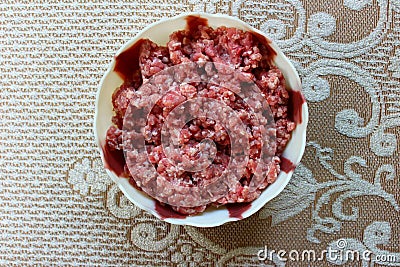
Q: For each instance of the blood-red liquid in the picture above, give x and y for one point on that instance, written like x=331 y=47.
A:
x=114 y=160
x=287 y=165
x=166 y=212
x=296 y=101
x=127 y=63
x=236 y=210
x=193 y=22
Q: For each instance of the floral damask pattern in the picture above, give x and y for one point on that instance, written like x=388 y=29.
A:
x=60 y=207
x=301 y=193
x=88 y=177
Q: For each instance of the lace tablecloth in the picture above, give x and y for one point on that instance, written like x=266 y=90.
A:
x=59 y=208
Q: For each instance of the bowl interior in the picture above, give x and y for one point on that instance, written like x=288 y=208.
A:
x=159 y=32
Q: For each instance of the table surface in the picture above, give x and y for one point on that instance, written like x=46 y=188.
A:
x=59 y=208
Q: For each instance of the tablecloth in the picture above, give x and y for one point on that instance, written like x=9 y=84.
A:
x=58 y=207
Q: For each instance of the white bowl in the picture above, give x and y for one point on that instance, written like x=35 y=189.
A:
x=159 y=32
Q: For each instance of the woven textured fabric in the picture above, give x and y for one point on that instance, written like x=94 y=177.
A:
x=58 y=207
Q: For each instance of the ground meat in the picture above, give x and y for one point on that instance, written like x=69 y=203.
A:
x=152 y=59
x=114 y=138
x=122 y=97
x=237 y=49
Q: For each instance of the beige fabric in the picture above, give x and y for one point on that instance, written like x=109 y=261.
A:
x=59 y=208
